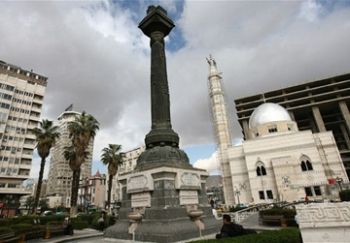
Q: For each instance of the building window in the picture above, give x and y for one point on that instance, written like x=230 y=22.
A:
x=309 y=165
x=308 y=191
x=305 y=164
x=272 y=129
x=317 y=190
x=260 y=170
x=269 y=194
x=261 y=195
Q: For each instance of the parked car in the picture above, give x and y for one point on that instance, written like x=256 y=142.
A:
x=47 y=213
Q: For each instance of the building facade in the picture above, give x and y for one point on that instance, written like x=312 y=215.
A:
x=277 y=161
x=319 y=106
x=21 y=99
x=281 y=163
x=60 y=174
x=221 y=126
x=92 y=191
x=128 y=164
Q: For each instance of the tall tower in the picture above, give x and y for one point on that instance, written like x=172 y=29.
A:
x=221 y=127
x=21 y=99
x=60 y=174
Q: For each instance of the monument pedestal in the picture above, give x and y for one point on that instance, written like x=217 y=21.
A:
x=164 y=204
x=164 y=199
x=324 y=222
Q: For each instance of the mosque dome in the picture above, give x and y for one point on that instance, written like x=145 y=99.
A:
x=266 y=113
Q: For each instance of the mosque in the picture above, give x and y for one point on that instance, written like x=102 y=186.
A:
x=278 y=162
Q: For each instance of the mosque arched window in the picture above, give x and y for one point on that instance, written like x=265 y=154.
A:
x=260 y=169
x=309 y=165
x=305 y=164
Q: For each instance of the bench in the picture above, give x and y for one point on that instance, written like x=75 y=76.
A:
x=9 y=238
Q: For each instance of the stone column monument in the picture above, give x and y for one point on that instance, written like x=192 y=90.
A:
x=164 y=199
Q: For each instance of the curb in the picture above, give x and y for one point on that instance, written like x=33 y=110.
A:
x=76 y=237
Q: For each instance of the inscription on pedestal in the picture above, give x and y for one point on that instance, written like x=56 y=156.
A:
x=188 y=197
x=139 y=183
x=189 y=180
x=142 y=199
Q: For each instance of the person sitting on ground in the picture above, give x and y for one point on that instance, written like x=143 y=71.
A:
x=230 y=229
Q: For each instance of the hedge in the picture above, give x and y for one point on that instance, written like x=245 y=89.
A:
x=235 y=209
x=79 y=224
x=286 y=212
x=21 y=228
x=345 y=195
x=5 y=230
x=30 y=220
x=275 y=236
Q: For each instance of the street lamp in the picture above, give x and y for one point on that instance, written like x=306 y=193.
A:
x=237 y=192
x=339 y=180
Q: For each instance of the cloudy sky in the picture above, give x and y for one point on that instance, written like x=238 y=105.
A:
x=96 y=58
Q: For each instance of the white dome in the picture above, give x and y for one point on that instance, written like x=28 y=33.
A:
x=268 y=112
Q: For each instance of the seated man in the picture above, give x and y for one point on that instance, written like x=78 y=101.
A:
x=230 y=229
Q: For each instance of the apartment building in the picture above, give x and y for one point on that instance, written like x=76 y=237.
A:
x=128 y=164
x=92 y=191
x=319 y=106
x=21 y=99
x=60 y=174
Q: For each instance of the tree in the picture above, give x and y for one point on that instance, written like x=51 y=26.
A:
x=81 y=132
x=111 y=157
x=29 y=202
x=43 y=205
x=46 y=136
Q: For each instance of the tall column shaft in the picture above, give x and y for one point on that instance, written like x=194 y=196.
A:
x=159 y=83
x=157 y=25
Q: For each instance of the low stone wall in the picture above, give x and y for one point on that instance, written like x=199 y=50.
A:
x=324 y=222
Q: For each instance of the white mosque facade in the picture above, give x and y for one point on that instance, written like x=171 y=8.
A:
x=278 y=162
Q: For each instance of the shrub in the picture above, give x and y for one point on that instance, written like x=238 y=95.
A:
x=286 y=212
x=345 y=195
x=109 y=220
x=78 y=224
x=5 y=230
x=51 y=218
x=273 y=236
x=21 y=228
x=86 y=217
x=237 y=208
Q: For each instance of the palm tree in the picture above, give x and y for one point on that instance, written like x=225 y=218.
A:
x=81 y=132
x=112 y=157
x=46 y=136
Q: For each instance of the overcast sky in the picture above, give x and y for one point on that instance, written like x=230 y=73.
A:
x=96 y=58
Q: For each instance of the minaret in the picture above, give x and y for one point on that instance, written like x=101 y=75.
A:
x=221 y=126
x=218 y=105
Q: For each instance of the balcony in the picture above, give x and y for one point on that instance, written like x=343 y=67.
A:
x=15 y=190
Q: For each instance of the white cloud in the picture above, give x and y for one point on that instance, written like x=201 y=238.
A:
x=210 y=164
x=97 y=58
x=310 y=10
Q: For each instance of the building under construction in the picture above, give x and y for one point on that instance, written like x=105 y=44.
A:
x=321 y=105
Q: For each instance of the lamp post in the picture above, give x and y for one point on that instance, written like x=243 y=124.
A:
x=237 y=192
x=339 y=180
